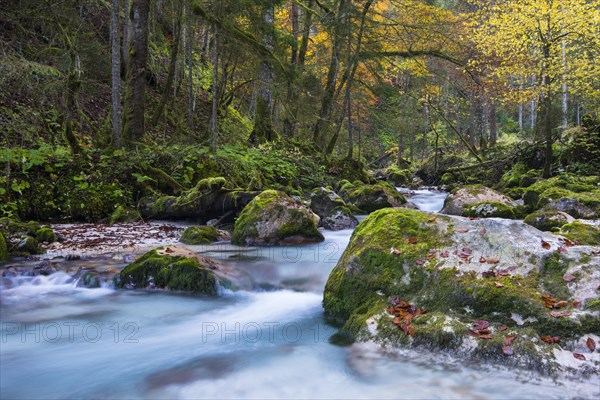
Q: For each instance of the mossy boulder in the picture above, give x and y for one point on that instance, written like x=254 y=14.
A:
x=490 y=209
x=45 y=234
x=332 y=209
x=273 y=217
x=582 y=233
x=548 y=220
x=578 y=196
x=458 y=202
x=195 y=235
x=460 y=271
x=371 y=197
x=170 y=268
x=397 y=176
x=3 y=249
x=29 y=245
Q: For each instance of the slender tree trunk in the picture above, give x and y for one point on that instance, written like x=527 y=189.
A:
x=190 y=64
x=493 y=125
x=290 y=116
x=472 y=125
x=214 y=132
x=116 y=72
x=332 y=72
x=263 y=122
x=172 y=66
x=565 y=89
x=135 y=102
x=520 y=110
x=547 y=117
x=126 y=36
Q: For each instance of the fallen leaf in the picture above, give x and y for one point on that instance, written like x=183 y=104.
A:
x=487 y=337
x=550 y=339
x=472 y=218
x=488 y=274
x=549 y=301
x=507 y=350
x=467 y=250
x=591 y=344
x=579 y=356
x=462 y=230
x=546 y=245
x=412 y=240
x=499 y=284
x=576 y=304
x=568 y=278
x=482 y=232
x=567 y=242
x=502 y=328
x=482 y=259
x=445 y=254
x=560 y=304
x=432 y=219
x=420 y=262
x=559 y=314
x=394 y=251
x=493 y=260
x=480 y=325
x=562 y=250
x=509 y=339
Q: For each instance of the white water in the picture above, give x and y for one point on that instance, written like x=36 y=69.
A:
x=425 y=200
x=245 y=344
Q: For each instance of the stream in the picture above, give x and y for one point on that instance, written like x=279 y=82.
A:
x=63 y=341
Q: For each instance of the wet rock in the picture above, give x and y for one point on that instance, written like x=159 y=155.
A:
x=473 y=195
x=572 y=207
x=275 y=218
x=46 y=268
x=503 y=272
x=332 y=209
x=28 y=245
x=371 y=197
x=340 y=218
x=196 y=235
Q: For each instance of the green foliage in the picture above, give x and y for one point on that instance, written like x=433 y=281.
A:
x=3 y=249
x=45 y=234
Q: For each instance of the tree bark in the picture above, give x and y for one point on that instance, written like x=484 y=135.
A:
x=135 y=104
x=116 y=72
x=493 y=124
x=213 y=128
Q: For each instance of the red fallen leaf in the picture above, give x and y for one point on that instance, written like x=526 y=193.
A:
x=481 y=325
x=482 y=232
x=502 y=327
x=432 y=219
x=462 y=230
x=591 y=344
x=579 y=356
x=467 y=251
x=482 y=259
x=559 y=314
x=499 y=284
x=508 y=340
x=395 y=251
x=560 y=304
x=472 y=218
x=487 y=337
x=397 y=321
x=546 y=245
x=445 y=254
x=420 y=262
x=562 y=250
x=493 y=260
x=576 y=304
x=550 y=339
x=549 y=301
x=169 y=250
x=567 y=242
x=488 y=274
x=568 y=278
x=412 y=240
x=507 y=350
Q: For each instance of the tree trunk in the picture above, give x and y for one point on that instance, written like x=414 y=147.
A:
x=126 y=37
x=213 y=128
x=172 y=67
x=134 y=109
x=330 y=85
x=493 y=125
x=472 y=125
x=263 y=123
x=289 y=121
x=116 y=73
x=190 y=63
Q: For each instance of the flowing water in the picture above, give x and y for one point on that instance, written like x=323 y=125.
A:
x=270 y=341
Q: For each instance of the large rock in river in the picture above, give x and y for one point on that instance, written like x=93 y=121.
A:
x=332 y=209
x=478 y=201
x=369 y=198
x=468 y=287
x=273 y=217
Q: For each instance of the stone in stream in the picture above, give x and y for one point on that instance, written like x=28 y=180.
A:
x=500 y=271
x=371 y=197
x=479 y=201
x=332 y=209
x=547 y=220
x=273 y=218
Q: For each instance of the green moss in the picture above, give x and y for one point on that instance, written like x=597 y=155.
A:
x=45 y=234
x=581 y=233
x=592 y=305
x=211 y=184
x=28 y=245
x=3 y=250
x=160 y=205
x=122 y=214
x=545 y=220
x=369 y=198
x=436 y=330
x=581 y=188
x=195 y=235
x=489 y=209
x=168 y=272
x=397 y=176
x=552 y=274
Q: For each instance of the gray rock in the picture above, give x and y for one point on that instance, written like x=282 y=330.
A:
x=572 y=207
x=339 y=219
x=466 y=196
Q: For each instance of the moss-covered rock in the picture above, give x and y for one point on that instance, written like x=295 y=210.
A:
x=397 y=176
x=458 y=202
x=581 y=233
x=332 y=209
x=578 y=196
x=339 y=218
x=167 y=268
x=195 y=235
x=273 y=217
x=548 y=220
x=123 y=214
x=45 y=234
x=369 y=198
x=29 y=245
x=490 y=209
x=460 y=271
x=3 y=249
